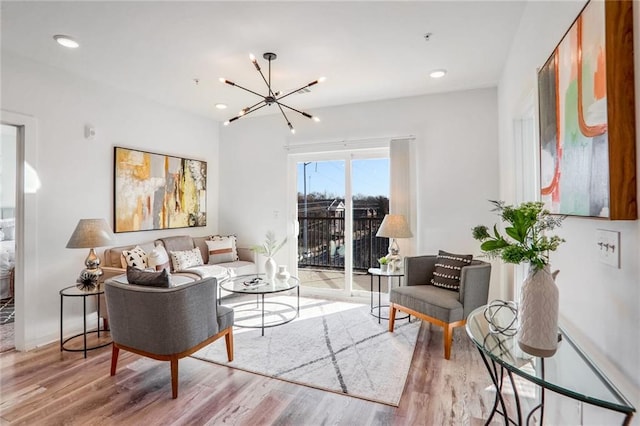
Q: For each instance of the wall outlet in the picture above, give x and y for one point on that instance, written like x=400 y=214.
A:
x=608 y=247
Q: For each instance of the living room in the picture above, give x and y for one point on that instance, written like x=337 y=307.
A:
x=464 y=155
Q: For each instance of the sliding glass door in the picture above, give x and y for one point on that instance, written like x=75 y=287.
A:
x=341 y=200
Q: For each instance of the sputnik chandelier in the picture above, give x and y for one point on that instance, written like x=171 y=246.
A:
x=271 y=97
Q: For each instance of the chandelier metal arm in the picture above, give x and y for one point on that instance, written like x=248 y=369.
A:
x=231 y=83
x=285 y=115
x=249 y=111
x=296 y=110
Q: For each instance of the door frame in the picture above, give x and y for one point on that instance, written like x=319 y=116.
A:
x=26 y=265
x=346 y=155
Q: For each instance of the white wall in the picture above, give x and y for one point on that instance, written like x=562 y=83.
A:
x=77 y=174
x=600 y=303
x=456 y=158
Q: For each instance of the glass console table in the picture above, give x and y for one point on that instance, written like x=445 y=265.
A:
x=568 y=372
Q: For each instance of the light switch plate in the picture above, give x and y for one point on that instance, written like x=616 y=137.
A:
x=608 y=247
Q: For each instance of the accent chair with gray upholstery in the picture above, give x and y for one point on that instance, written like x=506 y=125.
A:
x=166 y=323
x=440 y=306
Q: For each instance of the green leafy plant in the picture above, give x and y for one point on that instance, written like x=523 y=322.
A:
x=525 y=239
x=383 y=260
x=270 y=246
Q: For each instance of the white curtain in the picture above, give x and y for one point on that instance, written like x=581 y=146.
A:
x=403 y=189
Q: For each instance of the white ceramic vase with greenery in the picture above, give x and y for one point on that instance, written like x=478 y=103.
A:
x=526 y=242
x=269 y=248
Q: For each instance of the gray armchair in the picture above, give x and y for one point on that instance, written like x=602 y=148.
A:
x=166 y=323
x=439 y=306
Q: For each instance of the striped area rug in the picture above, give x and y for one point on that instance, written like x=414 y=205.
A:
x=7 y=311
x=333 y=345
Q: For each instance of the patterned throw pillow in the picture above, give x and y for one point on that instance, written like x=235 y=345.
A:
x=135 y=257
x=152 y=279
x=185 y=259
x=220 y=250
x=158 y=259
x=448 y=269
x=226 y=240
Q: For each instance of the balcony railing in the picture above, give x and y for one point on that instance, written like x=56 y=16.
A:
x=321 y=242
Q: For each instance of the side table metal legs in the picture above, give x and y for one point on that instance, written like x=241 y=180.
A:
x=499 y=406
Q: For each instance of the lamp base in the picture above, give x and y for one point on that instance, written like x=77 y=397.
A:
x=89 y=279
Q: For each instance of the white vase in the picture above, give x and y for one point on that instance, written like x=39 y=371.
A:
x=282 y=273
x=270 y=268
x=538 y=333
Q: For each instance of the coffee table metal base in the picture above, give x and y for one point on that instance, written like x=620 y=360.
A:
x=259 y=306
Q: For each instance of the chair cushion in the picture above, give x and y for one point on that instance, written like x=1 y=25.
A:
x=448 y=269
x=430 y=300
x=153 y=279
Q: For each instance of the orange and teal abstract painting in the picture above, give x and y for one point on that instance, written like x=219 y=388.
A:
x=574 y=150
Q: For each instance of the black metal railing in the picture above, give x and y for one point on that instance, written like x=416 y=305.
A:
x=321 y=242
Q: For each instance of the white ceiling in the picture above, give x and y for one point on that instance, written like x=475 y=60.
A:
x=367 y=50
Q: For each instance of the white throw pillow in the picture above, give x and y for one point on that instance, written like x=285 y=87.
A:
x=229 y=240
x=136 y=257
x=220 y=250
x=185 y=259
x=159 y=259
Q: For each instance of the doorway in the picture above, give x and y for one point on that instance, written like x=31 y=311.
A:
x=8 y=163
x=341 y=201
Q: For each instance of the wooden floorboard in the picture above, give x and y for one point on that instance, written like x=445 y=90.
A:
x=47 y=387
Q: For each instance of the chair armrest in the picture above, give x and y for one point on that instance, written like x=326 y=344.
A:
x=418 y=270
x=474 y=286
x=246 y=254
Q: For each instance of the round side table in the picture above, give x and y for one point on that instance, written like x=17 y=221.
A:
x=75 y=292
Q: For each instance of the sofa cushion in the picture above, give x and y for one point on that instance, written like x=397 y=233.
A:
x=185 y=259
x=221 y=250
x=159 y=258
x=153 y=279
x=448 y=269
x=240 y=267
x=135 y=257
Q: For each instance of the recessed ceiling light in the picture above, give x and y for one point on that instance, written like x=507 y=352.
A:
x=221 y=106
x=437 y=73
x=66 y=41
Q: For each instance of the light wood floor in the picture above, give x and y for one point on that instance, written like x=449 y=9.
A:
x=47 y=387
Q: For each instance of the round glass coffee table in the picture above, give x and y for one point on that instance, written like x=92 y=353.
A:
x=246 y=313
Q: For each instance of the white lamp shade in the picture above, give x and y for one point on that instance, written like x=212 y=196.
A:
x=394 y=226
x=91 y=233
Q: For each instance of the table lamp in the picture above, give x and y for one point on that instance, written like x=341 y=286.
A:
x=394 y=226
x=91 y=233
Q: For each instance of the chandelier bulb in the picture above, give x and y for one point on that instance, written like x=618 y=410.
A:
x=252 y=57
x=316 y=119
x=222 y=80
x=322 y=79
x=226 y=123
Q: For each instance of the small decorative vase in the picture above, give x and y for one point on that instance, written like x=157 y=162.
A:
x=538 y=334
x=270 y=267
x=384 y=268
x=282 y=273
